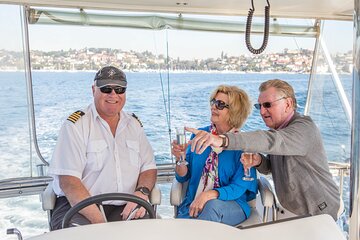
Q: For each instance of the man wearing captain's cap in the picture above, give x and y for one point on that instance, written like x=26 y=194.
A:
x=100 y=150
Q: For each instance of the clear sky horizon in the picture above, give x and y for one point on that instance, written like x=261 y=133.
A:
x=181 y=43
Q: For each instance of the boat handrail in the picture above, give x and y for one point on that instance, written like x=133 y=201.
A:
x=34 y=185
x=165 y=172
x=339 y=166
x=38 y=15
x=340 y=169
x=21 y=186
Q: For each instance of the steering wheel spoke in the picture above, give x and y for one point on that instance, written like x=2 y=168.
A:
x=101 y=207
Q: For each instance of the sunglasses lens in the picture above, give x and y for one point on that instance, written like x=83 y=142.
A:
x=266 y=105
x=119 y=90
x=220 y=105
x=106 y=89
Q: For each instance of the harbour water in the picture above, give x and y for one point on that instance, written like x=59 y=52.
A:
x=58 y=94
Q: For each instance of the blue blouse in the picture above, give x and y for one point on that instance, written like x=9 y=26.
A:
x=231 y=171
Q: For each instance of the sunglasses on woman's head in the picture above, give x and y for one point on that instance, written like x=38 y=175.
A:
x=266 y=104
x=220 y=105
x=108 y=89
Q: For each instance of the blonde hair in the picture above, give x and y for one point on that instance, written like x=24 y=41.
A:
x=239 y=104
x=282 y=87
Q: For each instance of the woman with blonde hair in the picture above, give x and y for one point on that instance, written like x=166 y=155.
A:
x=216 y=189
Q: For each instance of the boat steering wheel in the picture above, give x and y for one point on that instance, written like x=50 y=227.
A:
x=98 y=199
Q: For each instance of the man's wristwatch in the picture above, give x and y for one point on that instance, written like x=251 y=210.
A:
x=225 y=142
x=143 y=190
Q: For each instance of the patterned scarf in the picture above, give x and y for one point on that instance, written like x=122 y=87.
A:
x=210 y=176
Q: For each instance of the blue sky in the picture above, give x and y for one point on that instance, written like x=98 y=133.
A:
x=183 y=44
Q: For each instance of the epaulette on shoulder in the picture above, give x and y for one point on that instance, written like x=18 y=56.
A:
x=75 y=116
x=136 y=117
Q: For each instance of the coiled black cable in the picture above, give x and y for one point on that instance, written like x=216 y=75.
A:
x=266 y=29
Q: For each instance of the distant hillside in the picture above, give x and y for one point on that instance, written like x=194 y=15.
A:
x=298 y=61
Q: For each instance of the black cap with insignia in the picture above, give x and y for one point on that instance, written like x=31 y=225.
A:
x=110 y=75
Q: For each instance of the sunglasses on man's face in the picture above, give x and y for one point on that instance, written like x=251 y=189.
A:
x=266 y=104
x=220 y=105
x=108 y=89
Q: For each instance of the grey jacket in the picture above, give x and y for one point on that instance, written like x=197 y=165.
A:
x=297 y=160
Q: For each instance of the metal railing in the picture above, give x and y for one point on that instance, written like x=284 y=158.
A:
x=340 y=170
x=166 y=173
x=14 y=187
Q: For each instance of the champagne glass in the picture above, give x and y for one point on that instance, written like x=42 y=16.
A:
x=181 y=140
x=247 y=159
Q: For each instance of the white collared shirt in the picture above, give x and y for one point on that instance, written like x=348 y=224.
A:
x=87 y=150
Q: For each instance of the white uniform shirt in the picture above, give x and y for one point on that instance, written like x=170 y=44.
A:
x=87 y=150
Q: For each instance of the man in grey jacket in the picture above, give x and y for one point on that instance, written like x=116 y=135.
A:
x=295 y=152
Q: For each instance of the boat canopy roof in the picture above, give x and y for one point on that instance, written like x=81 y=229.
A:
x=319 y=9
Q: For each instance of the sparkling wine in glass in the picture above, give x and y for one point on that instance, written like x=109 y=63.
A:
x=181 y=140
x=247 y=162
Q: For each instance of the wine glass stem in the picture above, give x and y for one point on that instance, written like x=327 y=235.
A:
x=182 y=157
x=247 y=172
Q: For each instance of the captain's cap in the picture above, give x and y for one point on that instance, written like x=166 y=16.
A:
x=110 y=75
